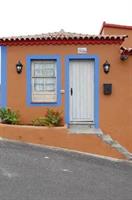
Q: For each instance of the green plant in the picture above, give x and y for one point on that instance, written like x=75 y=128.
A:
x=52 y=118
x=39 y=121
x=9 y=117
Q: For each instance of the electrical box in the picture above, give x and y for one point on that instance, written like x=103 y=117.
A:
x=107 y=88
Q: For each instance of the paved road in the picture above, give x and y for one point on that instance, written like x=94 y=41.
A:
x=34 y=173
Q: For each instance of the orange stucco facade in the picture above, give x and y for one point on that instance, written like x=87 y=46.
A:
x=59 y=137
x=115 y=110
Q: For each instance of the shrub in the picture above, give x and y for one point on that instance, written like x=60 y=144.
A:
x=39 y=121
x=52 y=118
x=9 y=117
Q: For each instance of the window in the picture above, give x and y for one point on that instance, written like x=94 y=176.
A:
x=43 y=85
x=44 y=81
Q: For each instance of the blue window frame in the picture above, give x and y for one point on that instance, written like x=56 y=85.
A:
x=29 y=61
x=68 y=58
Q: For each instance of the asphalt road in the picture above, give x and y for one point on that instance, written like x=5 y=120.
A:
x=34 y=173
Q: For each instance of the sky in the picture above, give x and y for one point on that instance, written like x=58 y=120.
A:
x=23 y=17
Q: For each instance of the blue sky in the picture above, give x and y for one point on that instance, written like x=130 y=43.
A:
x=22 y=17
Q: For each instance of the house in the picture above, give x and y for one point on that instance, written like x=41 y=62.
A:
x=79 y=74
x=117 y=29
x=126 y=47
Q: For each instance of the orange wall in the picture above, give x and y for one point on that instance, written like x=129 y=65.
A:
x=115 y=111
x=59 y=137
x=125 y=135
x=119 y=31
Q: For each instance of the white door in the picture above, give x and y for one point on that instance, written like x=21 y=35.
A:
x=81 y=91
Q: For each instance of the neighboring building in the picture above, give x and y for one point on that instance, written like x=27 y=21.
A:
x=112 y=29
x=115 y=29
x=65 y=71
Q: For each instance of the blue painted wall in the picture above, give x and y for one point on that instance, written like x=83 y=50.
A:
x=3 y=89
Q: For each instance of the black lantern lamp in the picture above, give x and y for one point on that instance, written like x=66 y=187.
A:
x=106 y=67
x=123 y=57
x=19 y=67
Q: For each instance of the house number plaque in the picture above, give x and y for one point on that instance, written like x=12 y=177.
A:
x=82 y=50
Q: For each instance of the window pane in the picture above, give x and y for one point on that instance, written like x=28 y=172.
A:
x=44 y=69
x=49 y=71
x=50 y=84
x=44 y=98
x=44 y=84
x=38 y=84
x=38 y=70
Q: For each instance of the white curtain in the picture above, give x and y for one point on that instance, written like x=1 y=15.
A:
x=44 y=81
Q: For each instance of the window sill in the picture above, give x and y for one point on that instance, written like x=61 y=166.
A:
x=44 y=104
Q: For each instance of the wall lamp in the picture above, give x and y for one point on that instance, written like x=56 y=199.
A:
x=123 y=57
x=19 y=67
x=106 y=67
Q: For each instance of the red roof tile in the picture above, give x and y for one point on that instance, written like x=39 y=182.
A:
x=126 y=51
x=60 y=36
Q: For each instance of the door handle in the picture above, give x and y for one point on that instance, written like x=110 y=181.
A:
x=71 y=91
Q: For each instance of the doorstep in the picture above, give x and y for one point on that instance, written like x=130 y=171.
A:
x=84 y=129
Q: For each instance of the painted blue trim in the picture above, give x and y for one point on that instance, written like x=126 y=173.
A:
x=67 y=106
x=3 y=100
x=96 y=92
x=96 y=85
x=28 y=79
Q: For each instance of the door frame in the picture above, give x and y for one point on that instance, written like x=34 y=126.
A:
x=68 y=58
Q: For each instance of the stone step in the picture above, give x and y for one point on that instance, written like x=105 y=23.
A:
x=115 y=144
x=119 y=147
x=122 y=149
x=108 y=139
x=84 y=129
x=80 y=126
x=87 y=129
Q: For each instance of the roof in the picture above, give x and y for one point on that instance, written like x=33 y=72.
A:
x=126 y=51
x=114 y=26
x=62 y=37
